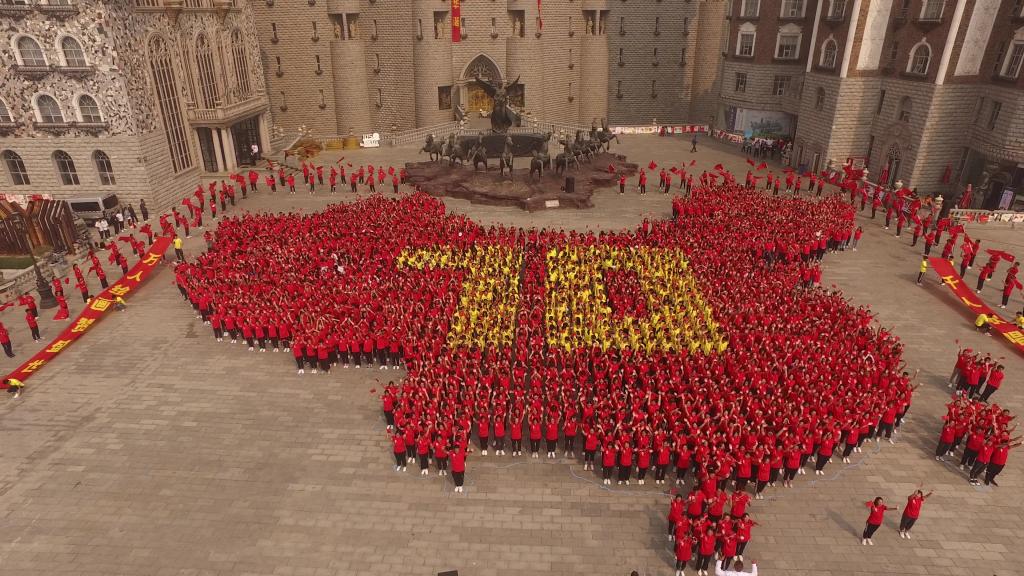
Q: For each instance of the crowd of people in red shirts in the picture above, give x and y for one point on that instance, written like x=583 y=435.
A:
x=760 y=376
x=985 y=432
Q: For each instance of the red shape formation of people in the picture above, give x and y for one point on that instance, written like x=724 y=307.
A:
x=503 y=335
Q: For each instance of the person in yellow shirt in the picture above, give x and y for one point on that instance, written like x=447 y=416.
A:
x=14 y=386
x=981 y=323
x=924 y=268
x=178 y=252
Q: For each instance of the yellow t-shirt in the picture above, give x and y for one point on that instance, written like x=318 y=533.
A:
x=924 y=265
x=980 y=320
x=177 y=243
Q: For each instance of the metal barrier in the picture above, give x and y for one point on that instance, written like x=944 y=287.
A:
x=987 y=216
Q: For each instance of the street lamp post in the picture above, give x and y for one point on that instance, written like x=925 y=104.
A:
x=46 y=299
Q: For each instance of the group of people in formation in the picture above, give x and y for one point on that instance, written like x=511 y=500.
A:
x=707 y=523
x=904 y=209
x=642 y=353
x=876 y=514
x=984 y=431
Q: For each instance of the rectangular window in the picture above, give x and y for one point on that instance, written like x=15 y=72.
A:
x=997 y=65
x=1013 y=63
x=780 y=85
x=746 y=44
x=602 y=23
x=517 y=19
x=789 y=45
x=741 y=82
x=352 y=26
x=750 y=8
x=837 y=9
x=978 y=107
x=881 y=102
x=792 y=8
x=993 y=116
x=440 y=24
x=444 y=97
x=932 y=10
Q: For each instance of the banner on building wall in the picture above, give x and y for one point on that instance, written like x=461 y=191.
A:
x=973 y=303
x=655 y=129
x=456 y=20
x=97 y=308
x=540 y=18
x=759 y=123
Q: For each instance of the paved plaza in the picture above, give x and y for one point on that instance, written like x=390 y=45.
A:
x=150 y=449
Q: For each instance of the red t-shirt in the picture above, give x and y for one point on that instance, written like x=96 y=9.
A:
x=877 y=512
x=913 y=509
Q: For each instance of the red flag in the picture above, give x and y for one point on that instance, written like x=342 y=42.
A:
x=456 y=21
x=692 y=162
x=719 y=167
x=762 y=165
x=749 y=161
x=947 y=174
x=652 y=165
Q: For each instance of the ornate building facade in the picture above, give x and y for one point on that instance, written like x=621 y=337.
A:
x=929 y=91
x=357 y=66
x=138 y=98
x=143 y=97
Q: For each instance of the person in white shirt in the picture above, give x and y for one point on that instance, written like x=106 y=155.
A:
x=737 y=569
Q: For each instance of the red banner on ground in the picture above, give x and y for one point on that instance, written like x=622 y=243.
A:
x=456 y=20
x=973 y=303
x=98 y=306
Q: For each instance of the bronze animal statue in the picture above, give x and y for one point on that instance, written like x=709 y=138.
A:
x=507 y=157
x=432 y=147
x=503 y=116
x=537 y=164
x=453 y=151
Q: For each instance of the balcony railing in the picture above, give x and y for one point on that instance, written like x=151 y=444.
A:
x=8 y=127
x=227 y=113
x=32 y=71
x=56 y=127
x=14 y=10
x=75 y=70
x=57 y=10
x=93 y=127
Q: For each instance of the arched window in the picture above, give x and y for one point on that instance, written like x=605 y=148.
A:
x=5 y=113
x=104 y=168
x=161 y=66
x=906 y=109
x=89 y=110
x=19 y=175
x=828 y=54
x=74 y=57
x=919 y=59
x=30 y=52
x=65 y=168
x=48 y=109
x=241 y=65
x=207 y=78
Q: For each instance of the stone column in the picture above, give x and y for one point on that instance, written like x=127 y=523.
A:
x=229 y=150
x=218 y=160
x=264 y=123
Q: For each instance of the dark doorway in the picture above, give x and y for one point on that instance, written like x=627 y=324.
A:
x=995 y=194
x=207 y=149
x=245 y=133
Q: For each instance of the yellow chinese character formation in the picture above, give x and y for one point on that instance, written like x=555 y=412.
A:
x=82 y=324
x=579 y=315
x=33 y=365
x=120 y=289
x=100 y=304
x=58 y=346
x=485 y=314
x=1015 y=336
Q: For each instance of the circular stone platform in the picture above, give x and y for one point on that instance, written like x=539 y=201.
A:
x=520 y=190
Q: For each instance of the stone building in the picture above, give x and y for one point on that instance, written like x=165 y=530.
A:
x=930 y=90
x=358 y=66
x=137 y=98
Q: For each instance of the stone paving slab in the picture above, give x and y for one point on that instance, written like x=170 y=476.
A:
x=151 y=449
